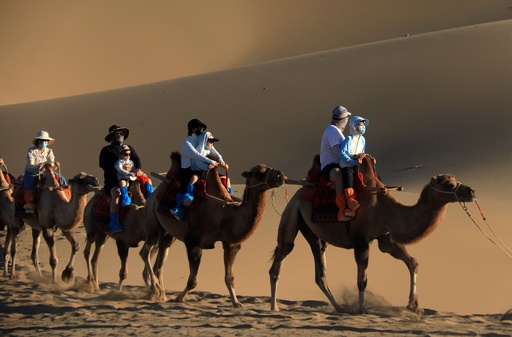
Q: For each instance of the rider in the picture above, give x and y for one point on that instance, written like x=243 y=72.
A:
x=188 y=154
x=352 y=154
x=108 y=158
x=125 y=173
x=330 y=153
x=37 y=156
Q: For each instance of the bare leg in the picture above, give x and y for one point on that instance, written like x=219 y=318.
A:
x=114 y=201
x=230 y=252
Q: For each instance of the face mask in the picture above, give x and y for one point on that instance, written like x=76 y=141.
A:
x=206 y=148
x=362 y=129
x=43 y=143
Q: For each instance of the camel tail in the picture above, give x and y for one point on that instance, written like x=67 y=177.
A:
x=273 y=255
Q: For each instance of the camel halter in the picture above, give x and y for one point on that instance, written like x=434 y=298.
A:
x=263 y=182
x=501 y=245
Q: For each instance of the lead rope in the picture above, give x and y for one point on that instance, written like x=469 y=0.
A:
x=504 y=248
x=273 y=194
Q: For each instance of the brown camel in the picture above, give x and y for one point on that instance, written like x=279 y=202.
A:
x=133 y=232
x=7 y=218
x=55 y=210
x=380 y=217
x=212 y=221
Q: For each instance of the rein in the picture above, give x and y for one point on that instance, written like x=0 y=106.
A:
x=501 y=245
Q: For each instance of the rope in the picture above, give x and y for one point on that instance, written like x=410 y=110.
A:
x=504 y=248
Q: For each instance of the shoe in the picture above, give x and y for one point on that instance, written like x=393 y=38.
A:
x=29 y=208
x=178 y=213
x=114 y=226
x=230 y=190
x=125 y=198
x=189 y=196
x=149 y=189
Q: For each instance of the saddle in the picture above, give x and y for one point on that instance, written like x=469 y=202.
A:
x=19 y=197
x=167 y=196
x=101 y=211
x=323 y=195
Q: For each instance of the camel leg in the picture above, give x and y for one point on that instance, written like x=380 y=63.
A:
x=48 y=235
x=67 y=274
x=164 y=243
x=230 y=252
x=361 y=254
x=99 y=238
x=288 y=229
x=318 y=248
x=36 y=239
x=7 y=251
x=398 y=251
x=122 y=251
x=194 y=254
x=15 y=232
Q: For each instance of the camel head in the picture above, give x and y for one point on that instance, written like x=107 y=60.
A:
x=262 y=177
x=85 y=183
x=448 y=189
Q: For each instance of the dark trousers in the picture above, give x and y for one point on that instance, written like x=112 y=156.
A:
x=347 y=174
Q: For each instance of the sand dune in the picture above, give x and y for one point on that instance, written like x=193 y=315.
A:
x=438 y=101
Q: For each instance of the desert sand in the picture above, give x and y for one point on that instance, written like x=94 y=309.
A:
x=438 y=97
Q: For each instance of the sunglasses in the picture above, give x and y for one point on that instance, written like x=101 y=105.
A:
x=126 y=153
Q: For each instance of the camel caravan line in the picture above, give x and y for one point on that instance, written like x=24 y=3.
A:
x=215 y=215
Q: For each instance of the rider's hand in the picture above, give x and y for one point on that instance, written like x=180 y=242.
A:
x=225 y=165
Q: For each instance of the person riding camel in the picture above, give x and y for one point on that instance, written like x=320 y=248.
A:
x=352 y=153
x=125 y=174
x=189 y=153
x=330 y=153
x=37 y=156
x=108 y=157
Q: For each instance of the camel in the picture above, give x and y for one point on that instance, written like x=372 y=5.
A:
x=56 y=211
x=133 y=233
x=214 y=220
x=6 y=215
x=379 y=217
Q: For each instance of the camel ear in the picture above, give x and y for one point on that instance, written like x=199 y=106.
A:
x=246 y=174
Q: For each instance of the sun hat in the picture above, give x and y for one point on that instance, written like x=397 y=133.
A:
x=196 y=123
x=113 y=129
x=340 y=112
x=124 y=148
x=212 y=139
x=43 y=135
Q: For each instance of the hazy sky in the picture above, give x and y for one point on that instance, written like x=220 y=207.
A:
x=56 y=48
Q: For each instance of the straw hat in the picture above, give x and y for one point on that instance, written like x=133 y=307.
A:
x=43 y=135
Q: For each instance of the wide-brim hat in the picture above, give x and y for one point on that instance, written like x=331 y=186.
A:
x=113 y=129
x=43 y=135
x=196 y=123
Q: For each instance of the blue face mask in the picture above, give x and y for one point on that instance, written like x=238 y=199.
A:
x=362 y=129
x=43 y=143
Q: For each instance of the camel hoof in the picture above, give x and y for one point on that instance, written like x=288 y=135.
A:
x=67 y=275
x=237 y=305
